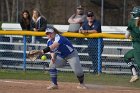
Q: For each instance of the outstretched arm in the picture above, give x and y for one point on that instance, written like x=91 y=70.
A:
x=35 y=53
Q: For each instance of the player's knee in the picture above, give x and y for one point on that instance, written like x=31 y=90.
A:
x=79 y=73
x=131 y=64
x=81 y=76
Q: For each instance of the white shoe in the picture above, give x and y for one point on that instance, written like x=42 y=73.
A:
x=52 y=86
x=134 y=78
x=81 y=86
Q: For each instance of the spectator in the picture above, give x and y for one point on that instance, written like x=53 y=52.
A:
x=91 y=25
x=76 y=20
x=25 y=22
x=38 y=23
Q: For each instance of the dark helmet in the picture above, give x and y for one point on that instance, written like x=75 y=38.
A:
x=136 y=11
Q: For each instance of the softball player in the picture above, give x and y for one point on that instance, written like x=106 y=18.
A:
x=62 y=51
x=133 y=30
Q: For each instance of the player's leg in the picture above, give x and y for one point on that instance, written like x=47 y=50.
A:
x=137 y=61
x=74 y=62
x=59 y=62
x=137 y=54
x=53 y=76
x=127 y=58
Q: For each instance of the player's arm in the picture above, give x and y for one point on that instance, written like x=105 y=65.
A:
x=45 y=50
x=51 y=47
x=128 y=30
x=127 y=34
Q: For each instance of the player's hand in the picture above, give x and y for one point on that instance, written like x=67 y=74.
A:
x=33 y=54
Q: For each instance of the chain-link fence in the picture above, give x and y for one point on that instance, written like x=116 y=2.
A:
x=12 y=54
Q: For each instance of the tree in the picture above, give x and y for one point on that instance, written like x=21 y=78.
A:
x=2 y=10
x=38 y=5
x=8 y=10
x=13 y=14
x=11 y=5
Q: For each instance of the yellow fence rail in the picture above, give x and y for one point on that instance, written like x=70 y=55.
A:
x=67 y=34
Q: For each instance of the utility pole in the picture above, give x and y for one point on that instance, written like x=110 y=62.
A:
x=124 y=12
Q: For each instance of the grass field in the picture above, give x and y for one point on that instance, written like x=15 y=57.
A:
x=103 y=79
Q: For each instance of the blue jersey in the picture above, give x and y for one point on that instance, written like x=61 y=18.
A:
x=65 y=48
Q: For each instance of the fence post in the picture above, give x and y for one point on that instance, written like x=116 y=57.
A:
x=99 y=56
x=24 y=53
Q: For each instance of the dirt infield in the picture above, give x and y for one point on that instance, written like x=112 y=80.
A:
x=36 y=86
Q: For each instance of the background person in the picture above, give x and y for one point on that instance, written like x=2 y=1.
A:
x=91 y=25
x=133 y=30
x=25 y=20
x=38 y=23
x=76 y=20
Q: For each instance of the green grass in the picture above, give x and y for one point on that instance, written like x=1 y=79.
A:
x=103 y=79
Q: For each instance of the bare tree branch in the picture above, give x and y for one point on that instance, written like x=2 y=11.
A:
x=38 y=5
x=2 y=10
x=7 y=9
x=13 y=11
